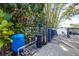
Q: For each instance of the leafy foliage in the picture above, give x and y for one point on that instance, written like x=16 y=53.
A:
x=56 y=12
x=5 y=31
x=1 y=44
x=74 y=25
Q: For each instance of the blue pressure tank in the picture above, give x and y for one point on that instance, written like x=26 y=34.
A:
x=50 y=34
x=53 y=33
x=18 y=41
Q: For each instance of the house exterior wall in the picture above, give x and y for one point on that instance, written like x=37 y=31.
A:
x=62 y=31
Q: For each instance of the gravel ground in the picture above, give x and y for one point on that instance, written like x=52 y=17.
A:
x=57 y=48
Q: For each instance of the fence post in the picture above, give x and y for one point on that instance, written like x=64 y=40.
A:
x=68 y=33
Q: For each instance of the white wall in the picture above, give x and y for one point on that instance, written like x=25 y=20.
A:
x=60 y=30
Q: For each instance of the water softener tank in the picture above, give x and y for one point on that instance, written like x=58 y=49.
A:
x=18 y=41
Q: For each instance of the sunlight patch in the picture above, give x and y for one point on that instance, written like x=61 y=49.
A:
x=63 y=47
